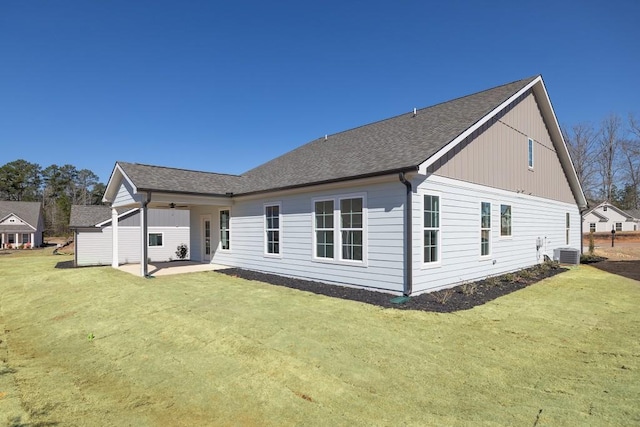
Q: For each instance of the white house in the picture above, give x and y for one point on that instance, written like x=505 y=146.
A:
x=93 y=234
x=606 y=217
x=474 y=187
x=21 y=224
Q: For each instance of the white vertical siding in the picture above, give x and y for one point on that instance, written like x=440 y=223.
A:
x=384 y=268
x=532 y=218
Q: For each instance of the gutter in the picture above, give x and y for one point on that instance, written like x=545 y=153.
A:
x=408 y=238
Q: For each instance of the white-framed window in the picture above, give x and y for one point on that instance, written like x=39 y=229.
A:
x=431 y=229
x=618 y=226
x=505 y=220
x=592 y=227
x=272 y=235
x=25 y=238
x=156 y=239
x=225 y=229
x=340 y=228
x=530 y=153
x=352 y=228
x=568 y=227
x=485 y=229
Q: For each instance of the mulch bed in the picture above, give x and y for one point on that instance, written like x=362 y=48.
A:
x=461 y=297
x=629 y=269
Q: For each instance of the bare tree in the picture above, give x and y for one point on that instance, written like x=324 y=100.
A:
x=582 y=143
x=631 y=162
x=608 y=155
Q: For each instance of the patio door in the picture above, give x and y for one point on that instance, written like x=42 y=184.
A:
x=206 y=238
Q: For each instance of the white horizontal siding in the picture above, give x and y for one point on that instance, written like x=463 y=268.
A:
x=460 y=261
x=95 y=248
x=384 y=268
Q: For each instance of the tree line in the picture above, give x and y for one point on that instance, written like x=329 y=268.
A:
x=57 y=187
x=607 y=159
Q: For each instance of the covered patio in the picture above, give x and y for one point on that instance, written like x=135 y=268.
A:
x=170 y=268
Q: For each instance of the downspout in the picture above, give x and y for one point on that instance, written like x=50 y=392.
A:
x=582 y=229
x=408 y=239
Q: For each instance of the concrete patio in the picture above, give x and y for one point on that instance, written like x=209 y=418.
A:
x=173 y=267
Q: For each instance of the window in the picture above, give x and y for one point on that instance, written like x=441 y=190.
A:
x=351 y=228
x=225 y=237
x=604 y=208
x=25 y=238
x=485 y=228
x=431 y=228
x=568 y=226
x=272 y=229
x=324 y=228
x=618 y=226
x=155 y=239
x=530 y=153
x=340 y=229
x=11 y=238
x=592 y=227
x=505 y=220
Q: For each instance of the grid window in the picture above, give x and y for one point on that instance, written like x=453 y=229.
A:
x=351 y=228
x=431 y=228
x=225 y=233
x=618 y=226
x=155 y=239
x=592 y=227
x=505 y=220
x=272 y=228
x=324 y=228
x=485 y=229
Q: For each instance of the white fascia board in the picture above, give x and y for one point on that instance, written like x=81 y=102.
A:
x=101 y=224
x=160 y=200
x=117 y=175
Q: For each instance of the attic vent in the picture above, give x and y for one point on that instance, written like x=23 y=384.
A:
x=567 y=256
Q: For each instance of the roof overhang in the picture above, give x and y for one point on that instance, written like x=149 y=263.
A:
x=540 y=92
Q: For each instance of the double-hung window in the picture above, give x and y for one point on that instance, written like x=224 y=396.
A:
x=592 y=227
x=225 y=229
x=505 y=220
x=340 y=229
x=618 y=226
x=431 y=244
x=272 y=229
x=485 y=229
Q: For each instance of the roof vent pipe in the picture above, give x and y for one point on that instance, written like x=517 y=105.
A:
x=326 y=136
x=414 y=111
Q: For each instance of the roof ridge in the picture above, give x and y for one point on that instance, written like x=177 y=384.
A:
x=178 y=169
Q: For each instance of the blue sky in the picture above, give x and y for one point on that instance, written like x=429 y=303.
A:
x=224 y=86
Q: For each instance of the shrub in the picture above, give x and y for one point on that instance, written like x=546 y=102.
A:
x=443 y=296
x=469 y=288
x=509 y=277
x=492 y=281
x=182 y=251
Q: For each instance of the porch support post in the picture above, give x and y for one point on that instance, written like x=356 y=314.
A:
x=33 y=235
x=114 y=238
x=144 y=267
x=2 y=240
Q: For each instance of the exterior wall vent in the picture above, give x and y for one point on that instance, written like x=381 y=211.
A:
x=567 y=256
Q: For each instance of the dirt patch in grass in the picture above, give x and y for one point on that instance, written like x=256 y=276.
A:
x=462 y=297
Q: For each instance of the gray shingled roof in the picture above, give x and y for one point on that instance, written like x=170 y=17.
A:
x=27 y=211
x=89 y=216
x=634 y=213
x=160 y=178
x=400 y=143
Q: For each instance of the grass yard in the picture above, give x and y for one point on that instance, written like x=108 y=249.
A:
x=96 y=346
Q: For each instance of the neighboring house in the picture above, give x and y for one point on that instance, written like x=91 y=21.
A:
x=93 y=236
x=21 y=224
x=606 y=217
x=474 y=187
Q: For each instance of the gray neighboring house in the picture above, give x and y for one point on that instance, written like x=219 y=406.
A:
x=93 y=234
x=474 y=187
x=21 y=224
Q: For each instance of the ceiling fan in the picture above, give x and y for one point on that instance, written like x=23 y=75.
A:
x=173 y=206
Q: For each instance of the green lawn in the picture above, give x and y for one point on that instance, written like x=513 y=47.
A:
x=207 y=349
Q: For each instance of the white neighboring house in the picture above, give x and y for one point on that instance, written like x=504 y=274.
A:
x=474 y=187
x=93 y=234
x=21 y=225
x=606 y=217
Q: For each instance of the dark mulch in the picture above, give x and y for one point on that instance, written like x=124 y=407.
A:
x=461 y=297
x=629 y=269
